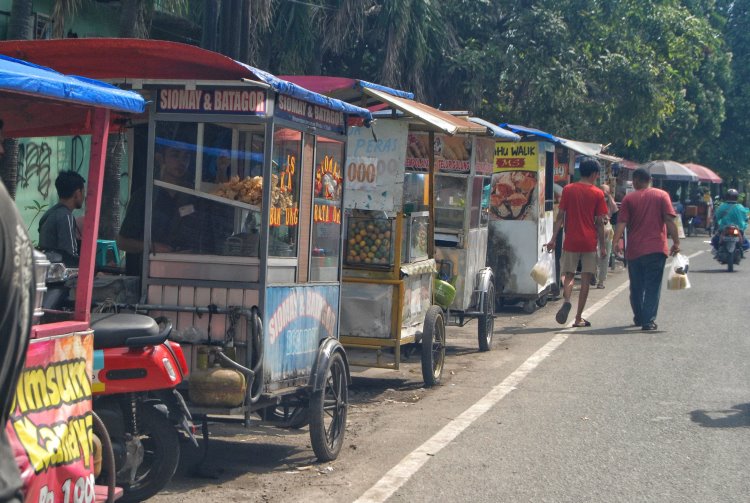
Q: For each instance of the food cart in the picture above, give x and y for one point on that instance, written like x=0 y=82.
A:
x=463 y=166
x=53 y=400
x=521 y=199
x=394 y=214
x=251 y=272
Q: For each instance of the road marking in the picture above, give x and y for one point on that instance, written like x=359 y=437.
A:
x=407 y=467
x=414 y=461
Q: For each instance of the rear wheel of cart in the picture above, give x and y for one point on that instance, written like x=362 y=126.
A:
x=487 y=320
x=328 y=409
x=529 y=306
x=433 y=346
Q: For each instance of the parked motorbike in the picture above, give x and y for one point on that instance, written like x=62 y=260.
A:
x=729 y=249
x=136 y=374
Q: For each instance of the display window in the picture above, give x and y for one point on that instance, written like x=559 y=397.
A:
x=326 y=227
x=416 y=193
x=286 y=167
x=480 y=206
x=450 y=202
x=203 y=201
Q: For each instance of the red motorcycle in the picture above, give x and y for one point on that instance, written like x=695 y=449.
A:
x=136 y=374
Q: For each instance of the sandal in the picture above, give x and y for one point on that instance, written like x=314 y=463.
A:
x=582 y=323
x=562 y=315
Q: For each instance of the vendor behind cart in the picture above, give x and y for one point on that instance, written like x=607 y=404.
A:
x=175 y=214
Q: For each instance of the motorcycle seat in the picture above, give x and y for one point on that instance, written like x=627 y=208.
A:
x=123 y=329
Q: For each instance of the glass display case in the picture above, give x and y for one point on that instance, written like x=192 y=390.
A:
x=416 y=233
x=416 y=195
x=369 y=242
x=450 y=202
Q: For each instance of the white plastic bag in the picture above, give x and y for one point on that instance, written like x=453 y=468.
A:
x=544 y=270
x=677 y=279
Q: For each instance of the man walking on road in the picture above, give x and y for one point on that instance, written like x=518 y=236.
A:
x=582 y=211
x=648 y=215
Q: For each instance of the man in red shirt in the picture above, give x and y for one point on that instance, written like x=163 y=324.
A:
x=648 y=215
x=582 y=211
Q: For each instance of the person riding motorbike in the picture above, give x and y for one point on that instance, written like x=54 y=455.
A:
x=731 y=212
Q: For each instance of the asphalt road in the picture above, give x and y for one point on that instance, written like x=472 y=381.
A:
x=607 y=413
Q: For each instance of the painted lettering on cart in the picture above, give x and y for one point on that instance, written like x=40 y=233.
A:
x=58 y=444
x=82 y=491
x=306 y=303
x=324 y=214
x=306 y=113
x=219 y=101
x=41 y=388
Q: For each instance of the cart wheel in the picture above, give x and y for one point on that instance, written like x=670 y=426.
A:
x=328 y=409
x=529 y=306
x=433 y=346
x=542 y=301
x=487 y=320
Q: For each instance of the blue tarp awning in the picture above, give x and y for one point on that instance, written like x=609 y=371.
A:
x=296 y=91
x=23 y=77
x=529 y=131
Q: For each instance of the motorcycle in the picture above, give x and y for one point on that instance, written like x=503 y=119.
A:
x=136 y=374
x=729 y=249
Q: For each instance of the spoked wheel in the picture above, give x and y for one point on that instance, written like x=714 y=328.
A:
x=487 y=320
x=433 y=346
x=161 y=454
x=328 y=409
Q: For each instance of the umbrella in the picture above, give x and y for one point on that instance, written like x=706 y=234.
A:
x=670 y=170
x=704 y=174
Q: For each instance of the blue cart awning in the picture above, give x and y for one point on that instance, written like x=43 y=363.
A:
x=27 y=78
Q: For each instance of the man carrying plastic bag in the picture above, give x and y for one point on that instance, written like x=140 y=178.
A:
x=648 y=215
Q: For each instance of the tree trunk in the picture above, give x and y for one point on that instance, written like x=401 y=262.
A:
x=20 y=27
x=130 y=19
x=109 y=222
x=9 y=166
x=20 y=24
x=209 y=40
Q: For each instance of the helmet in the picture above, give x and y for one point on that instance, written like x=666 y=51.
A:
x=732 y=194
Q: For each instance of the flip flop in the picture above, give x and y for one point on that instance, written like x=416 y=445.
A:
x=582 y=323
x=562 y=315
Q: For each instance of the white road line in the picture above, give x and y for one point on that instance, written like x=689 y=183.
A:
x=411 y=464
x=407 y=467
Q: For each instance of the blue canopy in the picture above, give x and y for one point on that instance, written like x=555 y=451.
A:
x=291 y=89
x=528 y=131
x=27 y=78
x=389 y=90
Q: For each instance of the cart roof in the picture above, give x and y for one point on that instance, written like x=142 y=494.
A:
x=585 y=148
x=39 y=101
x=123 y=59
x=368 y=94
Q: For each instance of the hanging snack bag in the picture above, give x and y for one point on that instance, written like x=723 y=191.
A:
x=677 y=278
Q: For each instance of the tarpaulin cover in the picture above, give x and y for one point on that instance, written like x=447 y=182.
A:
x=123 y=59
x=528 y=131
x=27 y=78
x=704 y=174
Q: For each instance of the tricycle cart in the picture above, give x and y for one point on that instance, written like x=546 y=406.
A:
x=52 y=405
x=462 y=187
x=521 y=199
x=241 y=224
x=389 y=262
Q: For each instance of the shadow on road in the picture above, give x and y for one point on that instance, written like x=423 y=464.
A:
x=736 y=417
x=709 y=271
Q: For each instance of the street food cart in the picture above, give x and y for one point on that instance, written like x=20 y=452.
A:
x=521 y=198
x=52 y=405
x=463 y=166
x=249 y=266
x=392 y=210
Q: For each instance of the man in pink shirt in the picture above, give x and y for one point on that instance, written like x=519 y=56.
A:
x=648 y=215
